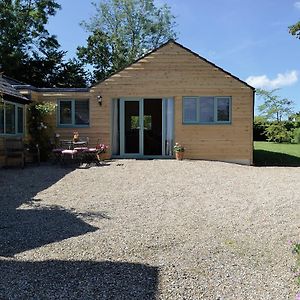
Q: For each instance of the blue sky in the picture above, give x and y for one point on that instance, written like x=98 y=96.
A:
x=248 y=38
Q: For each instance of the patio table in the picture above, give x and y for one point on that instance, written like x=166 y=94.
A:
x=71 y=145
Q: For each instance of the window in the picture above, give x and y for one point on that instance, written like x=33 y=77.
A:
x=20 y=119
x=65 y=112
x=223 y=105
x=206 y=110
x=11 y=118
x=74 y=113
x=1 y=117
x=82 y=112
x=190 y=110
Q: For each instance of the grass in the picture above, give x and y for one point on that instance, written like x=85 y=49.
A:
x=296 y=251
x=273 y=154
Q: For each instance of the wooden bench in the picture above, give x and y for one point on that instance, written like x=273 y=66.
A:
x=14 y=150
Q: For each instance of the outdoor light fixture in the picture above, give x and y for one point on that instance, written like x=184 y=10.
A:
x=99 y=98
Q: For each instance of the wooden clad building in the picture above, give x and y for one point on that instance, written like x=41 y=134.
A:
x=169 y=95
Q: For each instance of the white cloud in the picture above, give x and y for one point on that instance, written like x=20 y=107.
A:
x=297 y=4
x=281 y=80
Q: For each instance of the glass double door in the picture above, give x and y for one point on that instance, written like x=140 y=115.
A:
x=141 y=127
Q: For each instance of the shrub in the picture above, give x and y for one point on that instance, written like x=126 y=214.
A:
x=278 y=133
x=296 y=136
x=38 y=126
x=259 y=129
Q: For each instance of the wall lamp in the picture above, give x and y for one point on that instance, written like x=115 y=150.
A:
x=99 y=98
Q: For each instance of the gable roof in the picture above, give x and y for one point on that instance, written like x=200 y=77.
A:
x=10 y=93
x=186 y=49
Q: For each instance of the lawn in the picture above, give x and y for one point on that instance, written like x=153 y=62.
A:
x=273 y=154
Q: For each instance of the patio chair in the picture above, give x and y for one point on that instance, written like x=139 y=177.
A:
x=68 y=155
x=89 y=156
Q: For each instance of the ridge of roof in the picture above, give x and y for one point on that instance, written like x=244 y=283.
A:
x=186 y=49
x=214 y=65
x=128 y=65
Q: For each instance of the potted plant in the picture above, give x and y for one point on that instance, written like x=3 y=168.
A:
x=179 y=151
x=101 y=149
x=75 y=136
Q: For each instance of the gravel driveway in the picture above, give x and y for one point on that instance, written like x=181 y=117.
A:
x=159 y=229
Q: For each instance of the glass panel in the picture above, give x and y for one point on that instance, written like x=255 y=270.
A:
x=134 y=122
x=206 y=109
x=65 y=113
x=152 y=126
x=82 y=112
x=223 y=109
x=116 y=128
x=20 y=120
x=10 y=118
x=190 y=110
x=147 y=122
x=132 y=126
x=169 y=126
x=1 y=117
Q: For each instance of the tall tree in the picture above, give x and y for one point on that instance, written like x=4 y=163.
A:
x=27 y=51
x=123 y=30
x=274 y=107
x=295 y=29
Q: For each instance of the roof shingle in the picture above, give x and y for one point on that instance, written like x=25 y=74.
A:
x=8 y=92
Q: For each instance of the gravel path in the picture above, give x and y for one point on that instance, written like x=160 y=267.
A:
x=158 y=229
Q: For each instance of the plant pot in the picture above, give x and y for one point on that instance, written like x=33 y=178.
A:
x=179 y=155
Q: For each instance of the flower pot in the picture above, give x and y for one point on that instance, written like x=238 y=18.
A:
x=179 y=155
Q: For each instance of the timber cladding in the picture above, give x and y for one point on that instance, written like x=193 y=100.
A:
x=92 y=131
x=173 y=71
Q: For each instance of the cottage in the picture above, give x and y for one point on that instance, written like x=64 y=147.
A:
x=170 y=95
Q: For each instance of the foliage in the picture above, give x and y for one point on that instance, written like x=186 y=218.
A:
x=296 y=251
x=75 y=136
x=295 y=118
x=28 y=52
x=38 y=126
x=178 y=148
x=278 y=133
x=296 y=136
x=274 y=107
x=273 y=154
x=259 y=129
x=295 y=30
x=101 y=148
x=122 y=31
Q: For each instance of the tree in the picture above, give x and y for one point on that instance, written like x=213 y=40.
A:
x=295 y=117
x=122 y=31
x=274 y=107
x=27 y=51
x=295 y=30
x=23 y=32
